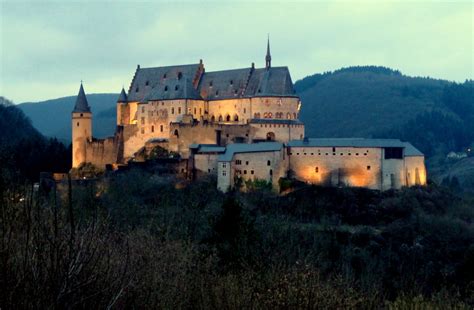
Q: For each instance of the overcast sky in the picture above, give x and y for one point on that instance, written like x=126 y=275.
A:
x=48 y=47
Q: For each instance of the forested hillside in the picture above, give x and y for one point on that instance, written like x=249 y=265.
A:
x=24 y=152
x=434 y=115
x=53 y=117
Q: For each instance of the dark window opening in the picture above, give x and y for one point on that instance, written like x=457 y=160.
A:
x=269 y=163
x=147 y=83
x=77 y=124
x=316 y=169
x=271 y=172
x=176 y=87
x=136 y=90
x=231 y=82
x=334 y=150
x=368 y=167
x=166 y=88
x=180 y=75
x=251 y=171
x=164 y=76
x=393 y=153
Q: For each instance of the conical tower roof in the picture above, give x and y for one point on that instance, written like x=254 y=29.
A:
x=81 y=102
x=123 y=96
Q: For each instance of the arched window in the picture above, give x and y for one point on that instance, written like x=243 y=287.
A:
x=213 y=118
x=288 y=116
x=256 y=115
x=270 y=136
x=236 y=118
x=265 y=115
x=227 y=118
x=270 y=115
x=176 y=133
x=220 y=118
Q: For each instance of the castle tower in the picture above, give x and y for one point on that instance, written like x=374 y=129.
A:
x=123 y=114
x=268 y=57
x=81 y=128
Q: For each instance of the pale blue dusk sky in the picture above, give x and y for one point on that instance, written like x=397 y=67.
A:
x=47 y=47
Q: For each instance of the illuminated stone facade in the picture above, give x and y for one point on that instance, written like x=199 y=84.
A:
x=219 y=120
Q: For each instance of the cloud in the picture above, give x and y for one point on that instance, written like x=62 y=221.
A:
x=47 y=48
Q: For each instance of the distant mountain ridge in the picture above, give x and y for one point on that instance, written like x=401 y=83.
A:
x=53 y=117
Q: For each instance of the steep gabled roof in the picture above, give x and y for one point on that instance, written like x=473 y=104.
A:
x=273 y=81
x=81 y=102
x=224 y=84
x=160 y=83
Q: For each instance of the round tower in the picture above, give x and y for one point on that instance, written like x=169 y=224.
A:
x=81 y=129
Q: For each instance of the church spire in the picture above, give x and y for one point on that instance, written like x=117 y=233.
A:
x=81 y=101
x=268 y=58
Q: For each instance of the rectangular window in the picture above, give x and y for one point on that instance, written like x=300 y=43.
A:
x=316 y=169
x=251 y=171
x=161 y=128
x=245 y=171
x=368 y=167
x=224 y=173
x=172 y=110
x=224 y=165
x=247 y=163
x=269 y=163
x=238 y=162
x=179 y=110
x=152 y=128
x=393 y=152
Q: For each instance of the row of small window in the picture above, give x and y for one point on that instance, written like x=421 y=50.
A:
x=327 y=154
x=316 y=169
x=239 y=162
x=280 y=125
x=239 y=172
x=152 y=129
x=278 y=115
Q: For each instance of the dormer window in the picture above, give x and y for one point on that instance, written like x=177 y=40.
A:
x=166 y=88
x=180 y=75
x=176 y=87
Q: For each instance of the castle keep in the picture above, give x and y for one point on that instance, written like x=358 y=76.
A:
x=240 y=124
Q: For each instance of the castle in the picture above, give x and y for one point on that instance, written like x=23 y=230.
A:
x=241 y=125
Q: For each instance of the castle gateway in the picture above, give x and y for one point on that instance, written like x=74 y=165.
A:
x=239 y=124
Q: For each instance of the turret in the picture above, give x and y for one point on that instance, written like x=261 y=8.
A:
x=81 y=128
x=123 y=116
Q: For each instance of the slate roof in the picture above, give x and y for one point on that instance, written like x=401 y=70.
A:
x=275 y=121
x=410 y=150
x=224 y=84
x=273 y=81
x=176 y=82
x=123 y=96
x=171 y=82
x=232 y=149
x=81 y=102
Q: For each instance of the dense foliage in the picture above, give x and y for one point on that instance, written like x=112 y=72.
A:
x=134 y=240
